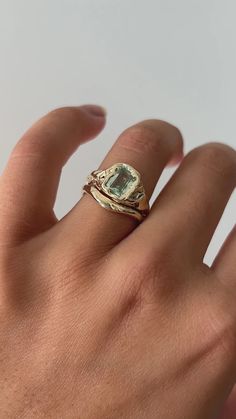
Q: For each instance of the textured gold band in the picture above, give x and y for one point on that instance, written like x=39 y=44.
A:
x=119 y=189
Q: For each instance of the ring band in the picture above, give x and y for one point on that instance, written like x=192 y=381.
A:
x=119 y=189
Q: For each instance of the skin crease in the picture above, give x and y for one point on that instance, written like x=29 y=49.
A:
x=101 y=317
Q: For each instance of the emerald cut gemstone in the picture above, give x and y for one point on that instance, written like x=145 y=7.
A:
x=120 y=182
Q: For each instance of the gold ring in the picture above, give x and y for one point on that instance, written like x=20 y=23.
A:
x=119 y=189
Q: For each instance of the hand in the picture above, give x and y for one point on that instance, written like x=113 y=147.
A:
x=104 y=318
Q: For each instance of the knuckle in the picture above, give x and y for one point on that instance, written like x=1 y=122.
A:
x=217 y=157
x=150 y=272
x=148 y=135
x=37 y=139
x=7 y=274
x=219 y=314
x=26 y=146
x=222 y=332
x=136 y=274
x=140 y=138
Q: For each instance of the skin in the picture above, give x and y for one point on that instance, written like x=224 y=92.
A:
x=101 y=317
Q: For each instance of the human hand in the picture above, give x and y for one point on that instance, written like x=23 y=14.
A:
x=104 y=318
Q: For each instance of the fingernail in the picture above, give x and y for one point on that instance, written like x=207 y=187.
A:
x=95 y=110
x=176 y=160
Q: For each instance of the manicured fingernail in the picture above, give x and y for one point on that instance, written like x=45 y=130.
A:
x=95 y=110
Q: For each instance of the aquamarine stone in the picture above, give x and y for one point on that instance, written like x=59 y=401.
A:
x=120 y=181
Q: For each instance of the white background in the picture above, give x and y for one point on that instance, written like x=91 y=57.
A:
x=166 y=59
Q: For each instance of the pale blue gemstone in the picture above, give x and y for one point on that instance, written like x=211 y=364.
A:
x=120 y=181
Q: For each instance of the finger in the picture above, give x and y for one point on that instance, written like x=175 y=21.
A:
x=229 y=410
x=190 y=206
x=29 y=183
x=147 y=146
x=225 y=262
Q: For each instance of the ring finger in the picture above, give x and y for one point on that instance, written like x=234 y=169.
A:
x=147 y=146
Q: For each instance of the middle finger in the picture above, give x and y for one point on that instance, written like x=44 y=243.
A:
x=189 y=208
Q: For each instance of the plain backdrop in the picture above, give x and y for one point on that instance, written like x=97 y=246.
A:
x=167 y=59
